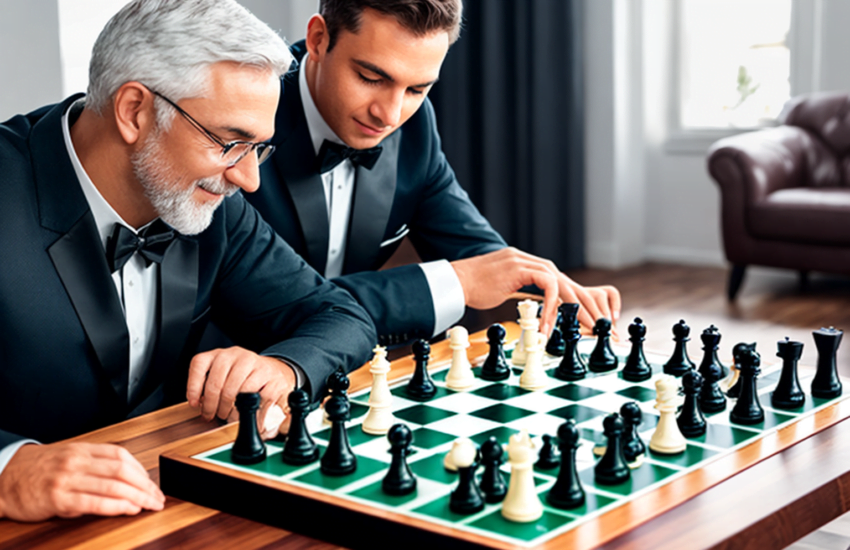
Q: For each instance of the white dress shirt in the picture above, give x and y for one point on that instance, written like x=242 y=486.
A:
x=446 y=290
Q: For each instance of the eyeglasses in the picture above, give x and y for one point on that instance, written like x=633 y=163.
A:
x=232 y=152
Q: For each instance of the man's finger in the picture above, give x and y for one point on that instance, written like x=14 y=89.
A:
x=615 y=300
x=109 y=487
x=74 y=505
x=198 y=370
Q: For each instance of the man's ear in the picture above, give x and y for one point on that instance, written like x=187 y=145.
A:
x=317 y=38
x=132 y=106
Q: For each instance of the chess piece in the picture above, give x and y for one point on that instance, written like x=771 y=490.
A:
x=637 y=368
x=399 y=479
x=634 y=450
x=421 y=387
x=380 y=418
x=602 y=359
x=787 y=394
x=528 y=322
x=299 y=447
x=690 y=420
x=492 y=482
x=667 y=439
x=611 y=468
x=747 y=409
x=496 y=367
x=248 y=447
x=548 y=458
x=556 y=345
x=521 y=503
x=338 y=459
x=711 y=398
x=460 y=376
x=679 y=362
x=448 y=461
x=466 y=497
x=734 y=391
x=826 y=384
x=710 y=344
x=567 y=492
x=533 y=375
x=572 y=366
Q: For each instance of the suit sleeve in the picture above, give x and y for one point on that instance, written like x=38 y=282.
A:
x=268 y=298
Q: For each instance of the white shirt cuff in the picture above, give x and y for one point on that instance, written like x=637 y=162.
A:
x=7 y=452
x=446 y=293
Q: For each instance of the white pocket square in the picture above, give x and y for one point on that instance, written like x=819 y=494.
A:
x=402 y=231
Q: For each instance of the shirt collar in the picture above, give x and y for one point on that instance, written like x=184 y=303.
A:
x=318 y=128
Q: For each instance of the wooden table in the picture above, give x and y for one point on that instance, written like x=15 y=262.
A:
x=769 y=505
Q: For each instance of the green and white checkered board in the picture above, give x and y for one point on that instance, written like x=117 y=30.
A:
x=501 y=409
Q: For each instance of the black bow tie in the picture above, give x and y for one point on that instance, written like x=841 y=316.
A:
x=331 y=154
x=151 y=243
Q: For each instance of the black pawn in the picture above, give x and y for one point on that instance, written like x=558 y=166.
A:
x=679 y=362
x=549 y=458
x=556 y=345
x=710 y=344
x=602 y=359
x=611 y=468
x=572 y=366
x=492 y=482
x=399 y=479
x=711 y=398
x=420 y=386
x=466 y=498
x=826 y=384
x=788 y=394
x=567 y=492
x=633 y=446
x=299 y=447
x=496 y=367
x=637 y=368
x=690 y=420
x=747 y=409
x=338 y=459
x=248 y=447
x=739 y=349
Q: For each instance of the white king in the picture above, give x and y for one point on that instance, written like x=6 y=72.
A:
x=379 y=419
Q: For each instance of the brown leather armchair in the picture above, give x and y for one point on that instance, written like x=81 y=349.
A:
x=785 y=191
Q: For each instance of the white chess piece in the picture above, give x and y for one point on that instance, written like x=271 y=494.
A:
x=521 y=502
x=380 y=418
x=449 y=460
x=534 y=376
x=460 y=376
x=667 y=438
x=528 y=322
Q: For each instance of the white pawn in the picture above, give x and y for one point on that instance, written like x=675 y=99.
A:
x=667 y=438
x=534 y=376
x=449 y=460
x=379 y=419
x=521 y=502
x=528 y=322
x=460 y=376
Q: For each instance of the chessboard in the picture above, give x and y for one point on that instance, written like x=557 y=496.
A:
x=353 y=511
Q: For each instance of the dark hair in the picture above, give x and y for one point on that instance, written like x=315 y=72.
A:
x=419 y=16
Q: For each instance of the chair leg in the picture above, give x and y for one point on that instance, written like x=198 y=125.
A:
x=736 y=278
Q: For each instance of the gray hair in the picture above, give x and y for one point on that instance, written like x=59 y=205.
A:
x=169 y=45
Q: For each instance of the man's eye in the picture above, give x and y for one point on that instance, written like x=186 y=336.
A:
x=414 y=91
x=372 y=81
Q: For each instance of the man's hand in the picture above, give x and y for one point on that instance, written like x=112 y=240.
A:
x=216 y=377
x=490 y=279
x=72 y=479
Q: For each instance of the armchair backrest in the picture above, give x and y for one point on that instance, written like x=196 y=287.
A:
x=826 y=116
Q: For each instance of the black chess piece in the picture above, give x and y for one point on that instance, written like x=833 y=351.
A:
x=548 y=458
x=492 y=482
x=421 y=387
x=248 y=447
x=602 y=359
x=338 y=459
x=826 y=384
x=633 y=446
x=690 y=420
x=611 y=468
x=466 y=497
x=679 y=362
x=710 y=344
x=711 y=398
x=787 y=394
x=556 y=345
x=739 y=348
x=747 y=409
x=399 y=479
x=567 y=492
x=572 y=366
x=637 y=368
x=496 y=367
x=299 y=447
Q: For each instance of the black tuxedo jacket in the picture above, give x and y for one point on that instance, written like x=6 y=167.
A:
x=64 y=346
x=412 y=187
